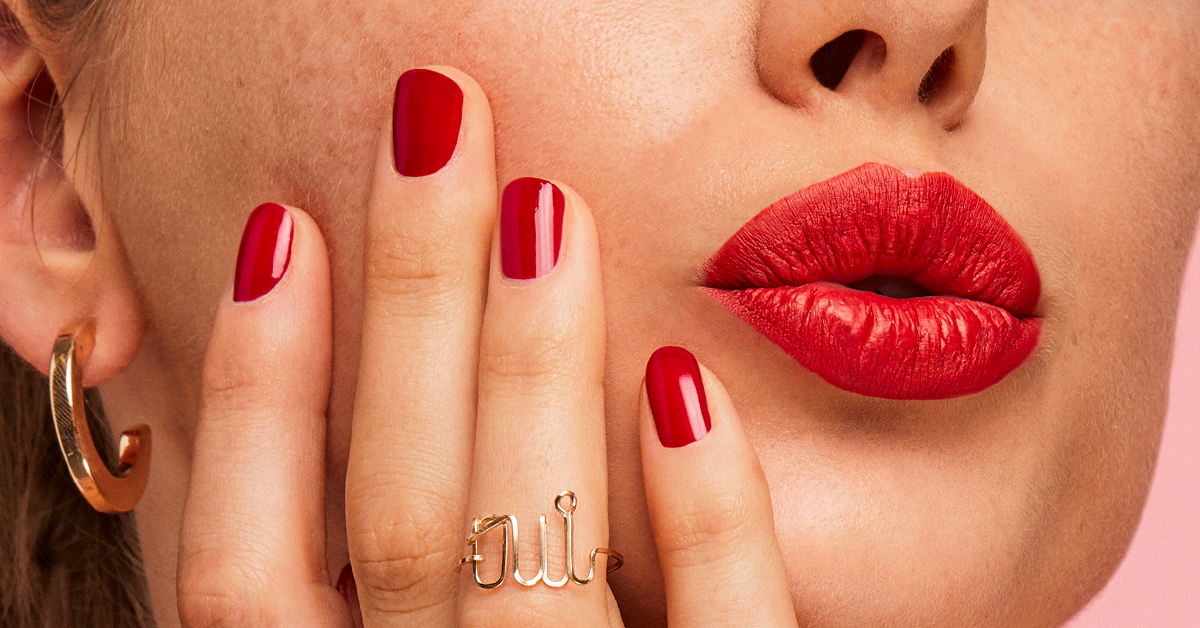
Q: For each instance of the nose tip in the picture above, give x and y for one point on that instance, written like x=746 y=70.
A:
x=924 y=57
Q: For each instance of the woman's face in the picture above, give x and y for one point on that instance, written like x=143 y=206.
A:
x=678 y=122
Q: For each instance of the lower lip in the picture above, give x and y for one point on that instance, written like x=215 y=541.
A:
x=933 y=347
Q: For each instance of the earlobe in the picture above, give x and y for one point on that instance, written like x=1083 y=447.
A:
x=59 y=263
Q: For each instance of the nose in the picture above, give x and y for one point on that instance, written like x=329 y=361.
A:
x=922 y=57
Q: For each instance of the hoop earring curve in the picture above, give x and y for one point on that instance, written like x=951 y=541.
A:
x=104 y=491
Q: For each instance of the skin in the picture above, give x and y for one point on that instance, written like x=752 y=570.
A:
x=675 y=123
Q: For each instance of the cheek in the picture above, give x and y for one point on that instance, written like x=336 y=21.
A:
x=208 y=133
x=1107 y=173
x=1099 y=143
x=200 y=134
x=1105 y=154
x=572 y=84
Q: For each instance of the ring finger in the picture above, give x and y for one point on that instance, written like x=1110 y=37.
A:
x=540 y=423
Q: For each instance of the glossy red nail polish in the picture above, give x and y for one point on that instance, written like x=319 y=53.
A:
x=531 y=217
x=427 y=115
x=349 y=591
x=677 y=399
x=265 y=253
x=346 y=585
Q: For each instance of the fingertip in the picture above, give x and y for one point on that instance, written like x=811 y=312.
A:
x=580 y=223
x=275 y=239
x=683 y=401
x=542 y=221
x=432 y=200
x=720 y=405
x=676 y=393
x=692 y=437
x=709 y=503
x=279 y=304
x=474 y=98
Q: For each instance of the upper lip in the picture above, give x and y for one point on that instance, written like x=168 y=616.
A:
x=930 y=229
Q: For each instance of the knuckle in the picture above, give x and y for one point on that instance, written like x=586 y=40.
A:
x=405 y=558
x=214 y=611
x=413 y=267
x=218 y=593
x=407 y=579
x=708 y=528
x=227 y=377
x=234 y=383
x=546 y=357
x=235 y=389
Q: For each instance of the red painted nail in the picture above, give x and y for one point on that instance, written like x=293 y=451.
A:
x=346 y=585
x=531 y=217
x=349 y=591
x=265 y=252
x=677 y=398
x=427 y=116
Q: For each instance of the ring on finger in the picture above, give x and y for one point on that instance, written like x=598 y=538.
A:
x=565 y=504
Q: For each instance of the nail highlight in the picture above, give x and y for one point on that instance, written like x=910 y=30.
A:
x=531 y=217
x=677 y=399
x=265 y=252
x=426 y=119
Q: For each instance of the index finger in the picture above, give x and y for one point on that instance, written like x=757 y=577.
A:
x=252 y=542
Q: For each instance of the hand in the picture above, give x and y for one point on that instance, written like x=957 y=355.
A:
x=478 y=393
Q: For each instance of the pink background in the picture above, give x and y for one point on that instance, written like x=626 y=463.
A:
x=1158 y=585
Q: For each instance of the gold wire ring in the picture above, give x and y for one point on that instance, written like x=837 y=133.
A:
x=104 y=491
x=565 y=504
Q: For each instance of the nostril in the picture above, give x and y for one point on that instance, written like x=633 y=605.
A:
x=937 y=77
x=830 y=63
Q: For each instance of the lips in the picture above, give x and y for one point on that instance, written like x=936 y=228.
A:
x=788 y=274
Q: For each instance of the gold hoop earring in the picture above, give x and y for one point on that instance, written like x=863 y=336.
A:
x=106 y=492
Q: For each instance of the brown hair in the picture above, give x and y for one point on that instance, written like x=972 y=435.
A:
x=64 y=564
x=61 y=562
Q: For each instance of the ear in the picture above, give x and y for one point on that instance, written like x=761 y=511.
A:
x=60 y=262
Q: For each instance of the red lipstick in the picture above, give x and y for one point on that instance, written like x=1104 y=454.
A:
x=790 y=273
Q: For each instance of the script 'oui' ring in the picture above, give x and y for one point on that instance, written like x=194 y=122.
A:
x=565 y=504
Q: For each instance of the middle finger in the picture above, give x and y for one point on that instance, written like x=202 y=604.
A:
x=429 y=223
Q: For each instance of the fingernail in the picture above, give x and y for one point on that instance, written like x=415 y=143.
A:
x=265 y=252
x=349 y=591
x=345 y=584
x=531 y=217
x=677 y=399
x=427 y=116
